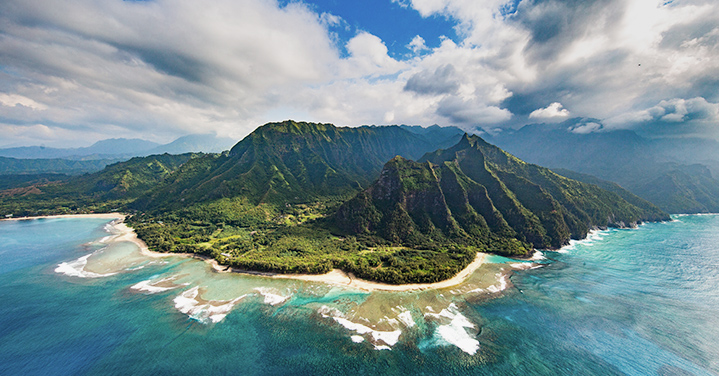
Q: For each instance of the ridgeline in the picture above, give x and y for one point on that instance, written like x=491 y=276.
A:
x=305 y=198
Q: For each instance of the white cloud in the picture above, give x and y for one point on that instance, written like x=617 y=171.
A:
x=164 y=68
x=12 y=100
x=585 y=128
x=368 y=56
x=554 y=110
x=676 y=110
x=417 y=44
x=329 y=19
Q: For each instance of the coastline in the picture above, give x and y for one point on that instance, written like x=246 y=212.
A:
x=334 y=277
x=93 y=215
x=339 y=277
x=122 y=232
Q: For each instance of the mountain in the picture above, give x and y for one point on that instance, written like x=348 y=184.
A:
x=195 y=143
x=686 y=189
x=640 y=165
x=609 y=186
x=291 y=162
x=295 y=197
x=444 y=137
x=55 y=166
x=475 y=193
x=106 y=190
x=117 y=147
x=11 y=181
x=122 y=148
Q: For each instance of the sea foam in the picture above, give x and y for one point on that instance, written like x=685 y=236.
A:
x=77 y=269
x=151 y=287
x=190 y=304
x=381 y=340
x=455 y=332
x=501 y=286
x=270 y=297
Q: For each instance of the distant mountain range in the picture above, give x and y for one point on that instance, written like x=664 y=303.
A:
x=678 y=175
x=122 y=148
x=38 y=160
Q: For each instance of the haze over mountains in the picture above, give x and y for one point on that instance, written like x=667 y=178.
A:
x=115 y=148
x=677 y=174
x=74 y=161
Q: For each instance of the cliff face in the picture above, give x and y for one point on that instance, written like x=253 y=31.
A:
x=476 y=194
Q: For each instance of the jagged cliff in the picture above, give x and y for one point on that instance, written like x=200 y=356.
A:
x=475 y=193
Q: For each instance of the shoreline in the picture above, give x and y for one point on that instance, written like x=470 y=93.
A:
x=334 y=277
x=91 y=215
x=122 y=232
x=340 y=277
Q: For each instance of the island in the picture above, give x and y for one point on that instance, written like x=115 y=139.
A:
x=391 y=204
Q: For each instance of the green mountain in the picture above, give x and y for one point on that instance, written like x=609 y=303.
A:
x=663 y=171
x=609 y=186
x=292 y=162
x=685 y=189
x=16 y=166
x=296 y=197
x=110 y=189
x=476 y=194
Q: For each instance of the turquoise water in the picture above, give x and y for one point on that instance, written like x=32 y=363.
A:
x=635 y=302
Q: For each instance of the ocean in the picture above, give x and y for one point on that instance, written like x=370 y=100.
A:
x=639 y=301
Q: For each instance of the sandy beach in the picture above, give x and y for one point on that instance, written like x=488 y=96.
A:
x=339 y=277
x=335 y=277
x=122 y=232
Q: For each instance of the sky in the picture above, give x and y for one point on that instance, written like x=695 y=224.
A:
x=76 y=71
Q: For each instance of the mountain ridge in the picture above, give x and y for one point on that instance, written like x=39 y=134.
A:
x=277 y=201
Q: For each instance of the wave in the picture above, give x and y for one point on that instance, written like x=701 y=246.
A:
x=522 y=265
x=381 y=340
x=538 y=255
x=592 y=237
x=270 y=297
x=201 y=310
x=77 y=269
x=503 y=283
x=406 y=319
x=455 y=332
x=154 y=287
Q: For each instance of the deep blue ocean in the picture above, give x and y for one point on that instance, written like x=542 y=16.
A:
x=623 y=302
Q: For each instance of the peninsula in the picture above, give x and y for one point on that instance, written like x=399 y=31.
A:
x=392 y=204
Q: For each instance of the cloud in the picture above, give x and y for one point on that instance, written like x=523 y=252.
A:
x=554 y=110
x=417 y=44
x=368 y=56
x=469 y=113
x=694 y=117
x=12 y=100
x=586 y=128
x=162 y=68
x=443 y=80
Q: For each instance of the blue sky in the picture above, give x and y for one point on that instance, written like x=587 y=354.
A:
x=395 y=24
x=78 y=71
